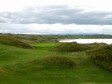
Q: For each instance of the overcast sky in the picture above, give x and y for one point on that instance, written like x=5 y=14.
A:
x=56 y=16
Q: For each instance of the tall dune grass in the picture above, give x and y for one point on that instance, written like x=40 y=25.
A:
x=102 y=56
x=71 y=47
x=10 y=40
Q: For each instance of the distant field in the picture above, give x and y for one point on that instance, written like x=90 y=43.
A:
x=41 y=65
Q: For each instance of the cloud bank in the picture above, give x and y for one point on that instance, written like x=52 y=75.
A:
x=55 y=15
x=54 y=29
x=56 y=20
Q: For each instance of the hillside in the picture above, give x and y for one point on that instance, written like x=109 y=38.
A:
x=42 y=65
x=12 y=41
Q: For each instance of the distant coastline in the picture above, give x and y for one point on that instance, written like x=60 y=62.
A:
x=84 y=41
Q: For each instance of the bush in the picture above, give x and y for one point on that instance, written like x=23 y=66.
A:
x=71 y=47
x=10 y=40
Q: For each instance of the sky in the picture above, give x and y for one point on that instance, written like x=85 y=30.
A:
x=56 y=16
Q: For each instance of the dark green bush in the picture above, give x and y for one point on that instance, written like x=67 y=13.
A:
x=10 y=40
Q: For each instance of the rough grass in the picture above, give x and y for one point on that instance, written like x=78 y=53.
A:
x=12 y=41
x=3 y=71
x=56 y=61
x=96 y=45
x=71 y=47
x=102 y=56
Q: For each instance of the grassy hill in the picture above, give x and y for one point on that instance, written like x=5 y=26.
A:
x=76 y=47
x=11 y=40
x=43 y=66
x=71 y=47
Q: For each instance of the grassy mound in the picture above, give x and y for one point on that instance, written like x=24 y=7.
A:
x=10 y=40
x=6 y=54
x=96 y=45
x=48 y=63
x=56 y=61
x=102 y=56
x=71 y=47
x=10 y=53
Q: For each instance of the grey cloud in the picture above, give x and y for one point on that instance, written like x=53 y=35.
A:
x=13 y=28
x=54 y=29
x=57 y=14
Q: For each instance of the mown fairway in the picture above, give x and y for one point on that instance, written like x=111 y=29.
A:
x=28 y=66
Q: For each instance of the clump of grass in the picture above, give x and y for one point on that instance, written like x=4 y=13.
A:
x=10 y=40
x=96 y=45
x=102 y=56
x=109 y=47
x=56 y=61
x=2 y=71
x=71 y=47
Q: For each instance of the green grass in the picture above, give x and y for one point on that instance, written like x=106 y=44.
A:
x=18 y=66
